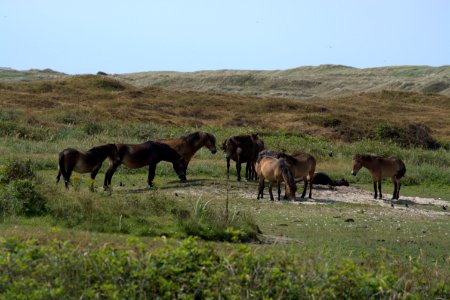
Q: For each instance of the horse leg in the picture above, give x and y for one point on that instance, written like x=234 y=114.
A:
x=109 y=174
x=58 y=176
x=305 y=186
x=228 y=168
x=151 y=174
x=238 y=169
x=398 y=189
x=394 y=181
x=375 y=188
x=379 y=188
x=93 y=174
x=279 y=191
x=261 y=189
x=247 y=171
x=67 y=177
x=270 y=191
x=310 y=185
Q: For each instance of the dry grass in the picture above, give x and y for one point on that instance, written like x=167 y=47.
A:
x=92 y=98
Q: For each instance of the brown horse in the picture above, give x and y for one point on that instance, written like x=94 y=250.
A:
x=303 y=166
x=275 y=171
x=380 y=167
x=136 y=156
x=189 y=144
x=84 y=162
x=243 y=149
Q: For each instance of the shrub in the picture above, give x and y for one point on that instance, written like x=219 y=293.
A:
x=20 y=197
x=13 y=169
x=412 y=135
x=195 y=270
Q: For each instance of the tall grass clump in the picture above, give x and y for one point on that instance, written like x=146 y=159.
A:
x=218 y=224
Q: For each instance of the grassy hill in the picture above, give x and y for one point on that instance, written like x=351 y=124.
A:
x=348 y=118
x=308 y=82
x=305 y=82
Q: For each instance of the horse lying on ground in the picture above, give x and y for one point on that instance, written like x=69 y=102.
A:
x=243 y=149
x=380 y=167
x=84 y=162
x=188 y=145
x=136 y=156
x=321 y=178
x=275 y=171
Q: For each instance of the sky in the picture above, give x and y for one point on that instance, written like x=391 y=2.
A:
x=87 y=36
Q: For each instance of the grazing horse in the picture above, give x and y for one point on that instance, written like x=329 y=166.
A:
x=321 y=178
x=275 y=171
x=303 y=166
x=150 y=153
x=84 y=162
x=243 y=149
x=188 y=145
x=380 y=167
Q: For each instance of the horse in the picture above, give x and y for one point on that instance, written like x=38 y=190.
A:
x=321 y=178
x=275 y=171
x=189 y=144
x=303 y=166
x=150 y=153
x=84 y=162
x=243 y=149
x=380 y=167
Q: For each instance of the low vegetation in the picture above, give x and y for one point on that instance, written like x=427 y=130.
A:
x=136 y=242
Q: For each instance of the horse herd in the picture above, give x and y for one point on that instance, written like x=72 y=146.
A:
x=261 y=164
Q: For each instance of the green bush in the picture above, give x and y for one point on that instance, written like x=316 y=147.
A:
x=195 y=270
x=14 y=169
x=21 y=198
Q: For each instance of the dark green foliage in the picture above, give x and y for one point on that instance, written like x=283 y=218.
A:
x=20 y=197
x=412 y=135
x=196 y=270
x=14 y=169
x=92 y=128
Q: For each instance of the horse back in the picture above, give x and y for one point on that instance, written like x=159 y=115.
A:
x=392 y=166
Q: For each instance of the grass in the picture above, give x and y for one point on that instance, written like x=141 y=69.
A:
x=209 y=206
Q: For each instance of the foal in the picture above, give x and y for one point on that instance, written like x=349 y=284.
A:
x=380 y=167
x=84 y=162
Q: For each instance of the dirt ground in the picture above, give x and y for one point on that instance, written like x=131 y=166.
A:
x=323 y=195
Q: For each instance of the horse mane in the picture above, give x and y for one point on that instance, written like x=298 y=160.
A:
x=287 y=175
x=289 y=158
x=195 y=136
x=365 y=157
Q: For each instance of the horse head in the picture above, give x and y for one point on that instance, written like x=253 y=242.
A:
x=209 y=141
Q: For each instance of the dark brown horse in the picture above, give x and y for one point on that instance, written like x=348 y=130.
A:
x=275 y=171
x=321 y=178
x=243 y=149
x=136 y=156
x=84 y=162
x=188 y=145
x=303 y=166
x=380 y=167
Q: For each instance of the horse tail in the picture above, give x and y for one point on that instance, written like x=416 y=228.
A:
x=400 y=173
x=61 y=167
x=287 y=175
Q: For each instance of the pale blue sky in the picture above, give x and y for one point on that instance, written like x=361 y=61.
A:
x=129 y=36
